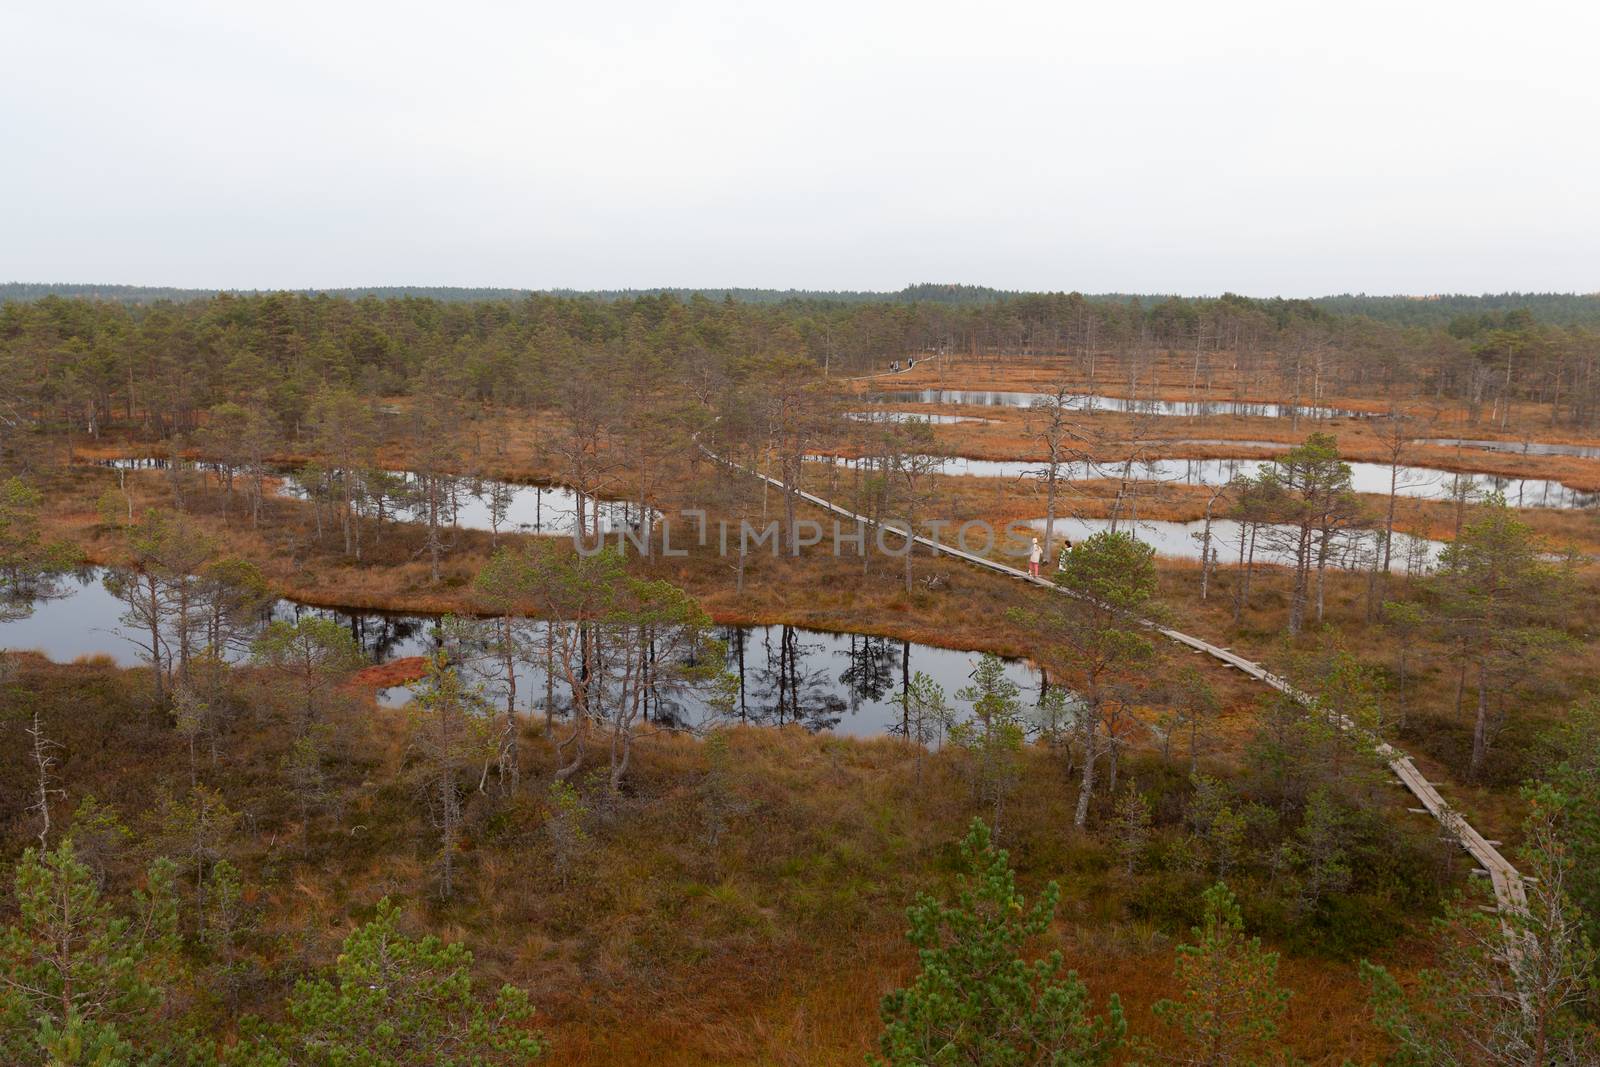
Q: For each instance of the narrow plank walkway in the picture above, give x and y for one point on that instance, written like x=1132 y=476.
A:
x=887 y=373
x=1509 y=891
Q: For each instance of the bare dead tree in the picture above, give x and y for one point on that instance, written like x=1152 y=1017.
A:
x=1048 y=423
x=43 y=749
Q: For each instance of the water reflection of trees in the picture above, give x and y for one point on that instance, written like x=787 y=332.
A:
x=20 y=593
x=380 y=636
x=785 y=688
x=664 y=701
x=480 y=651
x=875 y=668
x=784 y=675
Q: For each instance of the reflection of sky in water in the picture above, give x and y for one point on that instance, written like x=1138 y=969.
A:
x=1229 y=443
x=86 y=620
x=547 y=509
x=1181 y=540
x=1528 y=448
x=844 y=682
x=81 y=622
x=1525 y=448
x=1425 y=482
x=1003 y=398
x=909 y=416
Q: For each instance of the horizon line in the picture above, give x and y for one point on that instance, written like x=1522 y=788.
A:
x=566 y=290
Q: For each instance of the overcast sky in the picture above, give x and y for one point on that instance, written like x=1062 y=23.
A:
x=1266 y=148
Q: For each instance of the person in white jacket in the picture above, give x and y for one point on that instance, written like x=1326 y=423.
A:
x=1035 y=554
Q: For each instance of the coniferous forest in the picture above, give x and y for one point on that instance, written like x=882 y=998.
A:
x=374 y=692
x=747 y=535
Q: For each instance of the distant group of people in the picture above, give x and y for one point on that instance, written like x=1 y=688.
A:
x=1036 y=556
x=894 y=365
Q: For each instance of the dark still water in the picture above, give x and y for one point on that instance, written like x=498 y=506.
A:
x=843 y=682
x=1096 y=402
x=472 y=503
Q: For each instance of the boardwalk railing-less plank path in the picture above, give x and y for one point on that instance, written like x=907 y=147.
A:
x=887 y=373
x=1510 y=895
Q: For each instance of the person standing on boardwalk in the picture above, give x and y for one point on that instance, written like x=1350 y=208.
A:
x=1066 y=550
x=1035 y=554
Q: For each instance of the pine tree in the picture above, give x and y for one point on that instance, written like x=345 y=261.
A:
x=566 y=828
x=27 y=562
x=993 y=735
x=82 y=984
x=392 y=1002
x=1498 y=601
x=1218 y=827
x=1112 y=579
x=1231 y=1005
x=1572 y=759
x=316 y=653
x=977 y=1000
x=450 y=733
x=501 y=587
x=926 y=716
x=1130 y=828
x=1310 y=488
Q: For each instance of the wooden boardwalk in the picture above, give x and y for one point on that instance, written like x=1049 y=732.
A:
x=887 y=373
x=1509 y=892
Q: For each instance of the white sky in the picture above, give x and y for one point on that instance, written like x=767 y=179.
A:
x=1276 y=147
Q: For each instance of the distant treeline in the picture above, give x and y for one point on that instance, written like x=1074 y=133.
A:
x=924 y=293
x=153 y=294
x=86 y=361
x=150 y=294
x=1556 y=309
